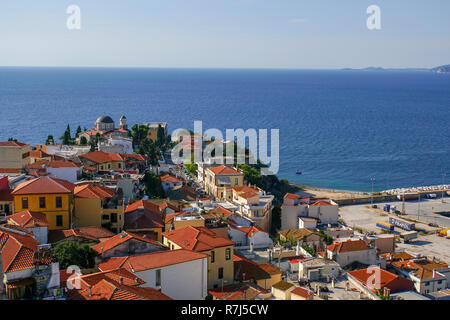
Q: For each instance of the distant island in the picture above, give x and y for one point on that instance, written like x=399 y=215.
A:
x=440 y=69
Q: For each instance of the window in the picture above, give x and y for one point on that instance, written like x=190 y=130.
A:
x=158 y=277
x=59 y=202
x=113 y=217
x=220 y=273
x=109 y=166
x=105 y=217
x=42 y=202
x=24 y=203
x=59 y=221
x=213 y=256
x=101 y=167
x=120 y=165
x=236 y=181
x=228 y=254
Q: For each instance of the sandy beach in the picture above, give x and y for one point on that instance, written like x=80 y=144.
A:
x=328 y=193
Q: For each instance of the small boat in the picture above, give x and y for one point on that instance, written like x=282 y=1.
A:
x=298 y=172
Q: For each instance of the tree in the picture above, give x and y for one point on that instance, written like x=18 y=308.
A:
x=138 y=133
x=66 y=137
x=12 y=139
x=78 y=132
x=153 y=185
x=151 y=150
x=71 y=253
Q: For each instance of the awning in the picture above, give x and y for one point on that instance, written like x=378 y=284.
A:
x=20 y=283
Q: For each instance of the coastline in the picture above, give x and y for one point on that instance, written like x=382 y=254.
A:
x=305 y=190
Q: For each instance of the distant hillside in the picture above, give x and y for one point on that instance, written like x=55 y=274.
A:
x=442 y=69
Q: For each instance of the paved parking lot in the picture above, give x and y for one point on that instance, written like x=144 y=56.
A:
x=364 y=217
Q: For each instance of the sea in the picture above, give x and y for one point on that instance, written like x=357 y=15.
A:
x=340 y=128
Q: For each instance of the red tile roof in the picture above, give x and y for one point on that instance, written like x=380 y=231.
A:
x=143 y=215
x=121 y=238
x=52 y=164
x=224 y=170
x=89 y=233
x=102 y=157
x=378 y=279
x=146 y=261
x=349 y=245
x=93 y=191
x=305 y=293
x=291 y=196
x=249 y=231
x=421 y=268
x=197 y=239
x=170 y=179
x=17 y=251
x=29 y=219
x=321 y=203
x=108 y=289
x=44 y=185
x=221 y=211
x=12 y=144
x=239 y=291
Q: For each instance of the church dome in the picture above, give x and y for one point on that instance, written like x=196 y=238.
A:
x=105 y=119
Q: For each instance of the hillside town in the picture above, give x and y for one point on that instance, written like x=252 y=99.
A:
x=106 y=215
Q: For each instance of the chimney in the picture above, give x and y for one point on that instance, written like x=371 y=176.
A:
x=90 y=291
x=121 y=280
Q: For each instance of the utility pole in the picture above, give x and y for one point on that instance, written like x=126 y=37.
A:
x=443 y=179
x=371 y=199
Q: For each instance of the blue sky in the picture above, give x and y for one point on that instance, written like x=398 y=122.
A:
x=225 y=33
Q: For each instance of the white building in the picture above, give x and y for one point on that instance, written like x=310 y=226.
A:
x=325 y=211
x=249 y=237
x=180 y=274
x=350 y=251
x=35 y=222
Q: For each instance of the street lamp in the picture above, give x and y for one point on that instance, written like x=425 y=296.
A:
x=372 y=180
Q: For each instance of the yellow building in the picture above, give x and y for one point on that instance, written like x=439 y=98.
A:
x=51 y=196
x=99 y=207
x=153 y=130
x=220 y=180
x=219 y=250
x=14 y=155
x=145 y=217
x=103 y=161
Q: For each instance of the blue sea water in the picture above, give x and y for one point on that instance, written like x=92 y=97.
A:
x=340 y=128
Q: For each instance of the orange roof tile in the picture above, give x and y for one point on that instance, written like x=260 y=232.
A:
x=52 y=164
x=121 y=238
x=102 y=157
x=93 y=191
x=170 y=179
x=146 y=261
x=224 y=170
x=305 y=293
x=197 y=239
x=44 y=185
x=349 y=245
x=12 y=144
x=385 y=280
x=29 y=219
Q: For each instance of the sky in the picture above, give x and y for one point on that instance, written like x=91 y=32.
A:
x=294 y=34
